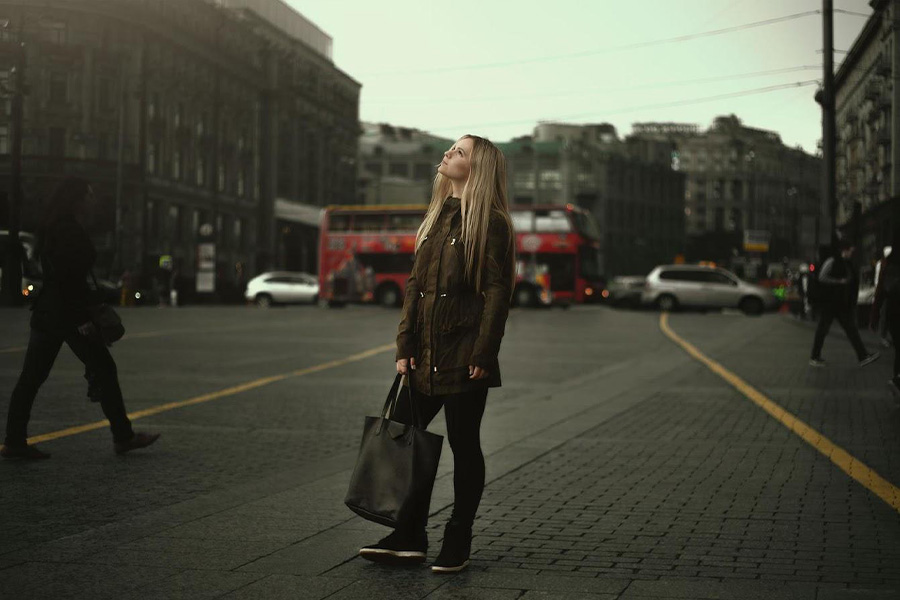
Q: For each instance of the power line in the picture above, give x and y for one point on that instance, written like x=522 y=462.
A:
x=633 y=46
x=687 y=102
x=599 y=90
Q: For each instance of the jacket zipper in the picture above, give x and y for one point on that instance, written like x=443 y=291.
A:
x=437 y=297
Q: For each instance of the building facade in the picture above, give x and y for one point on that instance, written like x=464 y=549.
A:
x=867 y=115
x=397 y=165
x=629 y=186
x=743 y=181
x=187 y=116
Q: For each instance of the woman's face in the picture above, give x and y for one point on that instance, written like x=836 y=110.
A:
x=455 y=164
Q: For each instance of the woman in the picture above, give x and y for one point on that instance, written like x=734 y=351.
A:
x=61 y=314
x=454 y=314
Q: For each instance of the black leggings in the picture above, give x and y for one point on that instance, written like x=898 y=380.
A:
x=463 y=413
x=43 y=347
x=892 y=314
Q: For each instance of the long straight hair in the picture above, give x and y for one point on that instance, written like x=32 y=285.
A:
x=483 y=194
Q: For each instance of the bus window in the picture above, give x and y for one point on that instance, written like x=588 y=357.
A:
x=368 y=222
x=586 y=225
x=523 y=221
x=339 y=223
x=562 y=269
x=404 y=222
x=554 y=221
x=590 y=263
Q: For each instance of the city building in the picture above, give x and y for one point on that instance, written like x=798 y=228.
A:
x=868 y=135
x=222 y=121
x=397 y=165
x=629 y=186
x=749 y=199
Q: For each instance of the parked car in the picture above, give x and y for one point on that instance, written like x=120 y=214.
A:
x=674 y=286
x=282 y=287
x=626 y=290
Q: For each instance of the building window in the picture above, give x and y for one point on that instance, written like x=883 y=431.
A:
x=239 y=233
x=152 y=219
x=151 y=106
x=201 y=171
x=59 y=88
x=57 y=142
x=221 y=238
x=104 y=95
x=175 y=222
x=103 y=146
x=221 y=178
x=152 y=156
x=4 y=139
x=56 y=32
x=523 y=180
x=241 y=189
x=374 y=168
x=179 y=112
x=399 y=169
x=551 y=179
x=176 y=165
x=195 y=223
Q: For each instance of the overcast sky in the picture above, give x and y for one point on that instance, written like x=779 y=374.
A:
x=497 y=67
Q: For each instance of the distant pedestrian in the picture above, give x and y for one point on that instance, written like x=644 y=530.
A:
x=61 y=314
x=887 y=305
x=839 y=288
x=454 y=315
x=883 y=329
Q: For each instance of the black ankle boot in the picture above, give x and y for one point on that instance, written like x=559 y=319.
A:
x=399 y=548
x=457 y=546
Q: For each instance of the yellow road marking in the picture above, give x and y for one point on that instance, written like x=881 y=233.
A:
x=11 y=350
x=250 y=385
x=846 y=462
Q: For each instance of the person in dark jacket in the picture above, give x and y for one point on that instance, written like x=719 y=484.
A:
x=454 y=315
x=887 y=306
x=840 y=287
x=61 y=314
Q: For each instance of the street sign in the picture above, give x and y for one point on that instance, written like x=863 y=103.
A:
x=756 y=241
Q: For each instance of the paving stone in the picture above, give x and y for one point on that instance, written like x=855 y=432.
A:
x=288 y=587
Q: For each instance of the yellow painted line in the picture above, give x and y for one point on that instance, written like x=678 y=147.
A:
x=846 y=462
x=250 y=385
x=13 y=349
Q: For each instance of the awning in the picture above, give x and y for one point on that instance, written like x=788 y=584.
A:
x=295 y=212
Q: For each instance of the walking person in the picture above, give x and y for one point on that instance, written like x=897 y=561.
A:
x=61 y=314
x=887 y=306
x=454 y=315
x=839 y=286
x=884 y=328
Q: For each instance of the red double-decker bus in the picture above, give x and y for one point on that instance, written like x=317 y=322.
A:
x=366 y=254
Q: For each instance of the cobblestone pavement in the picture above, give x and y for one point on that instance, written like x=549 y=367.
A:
x=618 y=467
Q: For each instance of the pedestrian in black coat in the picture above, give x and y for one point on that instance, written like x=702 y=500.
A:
x=840 y=287
x=61 y=314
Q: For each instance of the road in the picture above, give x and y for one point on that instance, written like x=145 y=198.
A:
x=619 y=466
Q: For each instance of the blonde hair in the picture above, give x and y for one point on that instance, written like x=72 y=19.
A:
x=484 y=193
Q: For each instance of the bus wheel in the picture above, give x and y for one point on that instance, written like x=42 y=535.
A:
x=526 y=296
x=264 y=300
x=388 y=296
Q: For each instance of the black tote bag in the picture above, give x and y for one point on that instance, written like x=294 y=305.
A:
x=396 y=466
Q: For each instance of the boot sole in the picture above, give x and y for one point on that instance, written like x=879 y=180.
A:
x=456 y=569
x=393 y=557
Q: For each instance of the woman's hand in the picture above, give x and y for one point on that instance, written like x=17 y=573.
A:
x=87 y=329
x=402 y=364
x=477 y=372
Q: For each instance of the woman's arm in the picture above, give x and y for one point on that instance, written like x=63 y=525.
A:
x=496 y=286
x=406 y=343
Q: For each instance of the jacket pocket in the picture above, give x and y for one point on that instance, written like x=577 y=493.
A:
x=457 y=329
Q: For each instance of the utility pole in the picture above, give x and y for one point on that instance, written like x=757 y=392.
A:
x=12 y=270
x=826 y=98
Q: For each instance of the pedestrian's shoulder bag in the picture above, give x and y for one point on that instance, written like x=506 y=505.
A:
x=105 y=318
x=396 y=465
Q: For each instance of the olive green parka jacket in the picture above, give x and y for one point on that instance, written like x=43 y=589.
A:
x=446 y=325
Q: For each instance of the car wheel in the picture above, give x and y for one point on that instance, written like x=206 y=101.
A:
x=526 y=296
x=315 y=300
x=667 y=303
x=389 y=296
x=751 y=306
x=264 y=300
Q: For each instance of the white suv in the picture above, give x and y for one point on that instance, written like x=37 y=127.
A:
x=670 y=287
